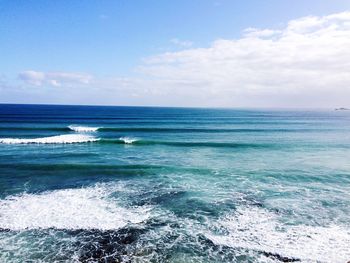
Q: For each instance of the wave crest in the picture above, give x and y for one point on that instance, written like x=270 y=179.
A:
x=128 y=140
x=59 y=139
x=82 y=128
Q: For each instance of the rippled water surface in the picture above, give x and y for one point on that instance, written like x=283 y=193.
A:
x=133 y=184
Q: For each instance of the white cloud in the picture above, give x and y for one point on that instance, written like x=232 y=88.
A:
x=56 y=79
x=255 y=32
x=181 y=43
x=308 y=61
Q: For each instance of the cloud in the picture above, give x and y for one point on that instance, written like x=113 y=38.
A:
x=181 y=43
x=255 y=32
x=305 y=63
x=3 y=83
x=56 y=79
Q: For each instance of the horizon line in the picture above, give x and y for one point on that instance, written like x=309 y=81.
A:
x=184 y=107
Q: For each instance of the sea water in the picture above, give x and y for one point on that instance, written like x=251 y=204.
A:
x=143 y=184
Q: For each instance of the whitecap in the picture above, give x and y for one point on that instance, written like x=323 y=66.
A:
x=260 y=230
x=83 y=208
x=82 y=128
x=128 y=140
x=67 y=138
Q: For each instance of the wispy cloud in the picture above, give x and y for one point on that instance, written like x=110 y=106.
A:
x=57 y=79
x=181 y=43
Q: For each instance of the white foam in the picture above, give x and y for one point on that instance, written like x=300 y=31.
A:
x=128 y=140
x=67 y=138
x=82 y=128
x=84 y=208
x=259 y=230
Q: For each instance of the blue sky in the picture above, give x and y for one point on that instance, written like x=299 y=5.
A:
x=112 y=43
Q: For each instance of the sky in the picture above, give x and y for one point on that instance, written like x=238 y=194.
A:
x=190 y=53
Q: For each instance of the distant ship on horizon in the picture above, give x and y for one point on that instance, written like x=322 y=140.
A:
x=342 y=109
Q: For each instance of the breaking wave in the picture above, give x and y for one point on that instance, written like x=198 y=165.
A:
x=259 y=230
x=82 y=128
x=82 y=138
x=84 y=208
x=59 y=139
x=128 y=140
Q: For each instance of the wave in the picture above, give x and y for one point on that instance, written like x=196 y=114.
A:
x=59 y=139
x=80 y=138
x=82 y=128
x=35 y=128
x=198 y=130
x=262 y=231
x=128 y=140
x=161 y=129
x=119 y=170
x=84 y=208
x=141 y=142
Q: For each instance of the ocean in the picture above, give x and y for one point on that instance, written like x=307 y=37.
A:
x=149 y=184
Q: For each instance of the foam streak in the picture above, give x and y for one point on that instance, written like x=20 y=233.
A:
x=63 y=139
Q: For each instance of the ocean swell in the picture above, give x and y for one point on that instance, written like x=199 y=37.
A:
x=83 y=138
x=59 y=139
x=127 y=140
x=82 y=128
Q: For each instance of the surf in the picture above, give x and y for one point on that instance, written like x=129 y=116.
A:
x=82 y=208
x=82 y=128
x=260 y=230
x=59 y=139
x=84 y=138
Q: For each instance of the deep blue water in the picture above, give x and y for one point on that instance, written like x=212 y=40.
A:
x=137 y=184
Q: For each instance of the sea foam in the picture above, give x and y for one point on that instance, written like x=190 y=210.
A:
x=128 y=140
x=67 y=138
x=83 y=208
x=82 y=128
x=261 y=231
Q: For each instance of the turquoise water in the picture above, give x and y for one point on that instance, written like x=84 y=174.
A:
x=133 y=184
